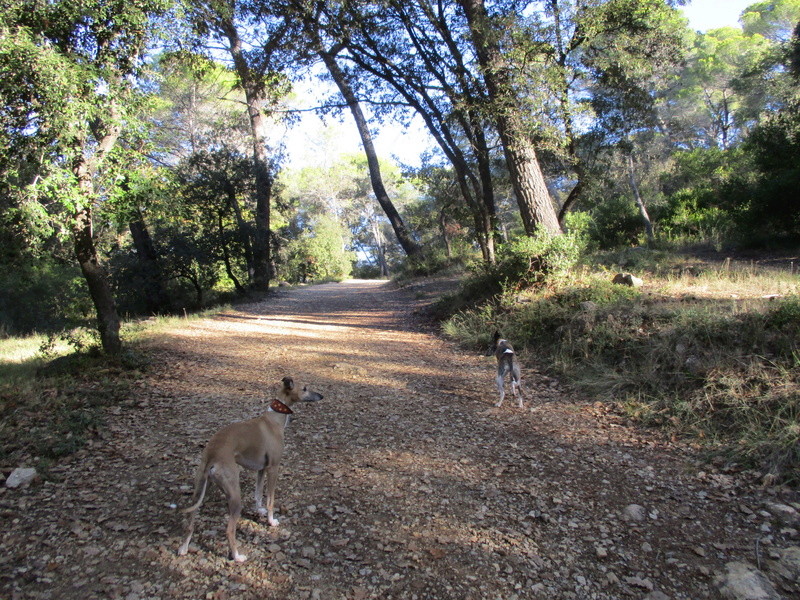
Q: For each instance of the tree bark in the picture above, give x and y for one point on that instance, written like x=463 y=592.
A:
x=242 y=229
x=574 y=194
x=443 y=229
x=84 y=168
x=226 y=257
x=105 y=305
x=255 y=99
x=407 y=242
x=648 y=225
x=156 y=299
x=530 y=189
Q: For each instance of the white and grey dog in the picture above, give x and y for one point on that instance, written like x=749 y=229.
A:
x=506 y=363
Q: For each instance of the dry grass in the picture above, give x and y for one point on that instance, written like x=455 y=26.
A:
x=708 y=350
x=739 y=283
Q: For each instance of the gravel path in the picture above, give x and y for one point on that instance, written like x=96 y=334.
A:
x=404 y=482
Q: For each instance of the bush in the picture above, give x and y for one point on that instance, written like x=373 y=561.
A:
x=528 y=262
x=42 y=296
x=318 y=254
x=771 y=203
x=616 y=222
x=687 y=217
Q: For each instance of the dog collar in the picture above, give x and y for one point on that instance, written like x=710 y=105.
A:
x=279 y=407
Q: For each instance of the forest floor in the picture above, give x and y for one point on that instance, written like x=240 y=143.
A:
x=404 y=482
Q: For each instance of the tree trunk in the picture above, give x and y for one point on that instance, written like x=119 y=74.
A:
x=380 y=248
x=243 y=230
x=84 y=168
x=99 y=289
x=533 y=198
x=226 y=257
x=156 y=299
x=567 y=114
x=443 y=229
x=254 y=97
x=574 y=194
x=528 y=182
x=409 y=245
x=648 y=225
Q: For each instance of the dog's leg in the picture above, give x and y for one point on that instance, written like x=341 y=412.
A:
x=228 y=479
x=235 y=511
x=272 y=482
x=201 y=483
x=500 y=387
x=259 y=493
x=516 y=384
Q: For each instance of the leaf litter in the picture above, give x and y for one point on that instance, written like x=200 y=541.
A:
x=404 y=482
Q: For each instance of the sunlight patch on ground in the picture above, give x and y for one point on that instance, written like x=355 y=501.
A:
x=19 y=350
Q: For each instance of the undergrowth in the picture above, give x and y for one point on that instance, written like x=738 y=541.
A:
x=55 y=390
x=723 y=371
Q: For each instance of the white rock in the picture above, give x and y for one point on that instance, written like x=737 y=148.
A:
x=634 y=512
x=784 y=513
x=640 y=583
x=20 y=477
x=744 y=582
x=627 y=279
x=789 y=563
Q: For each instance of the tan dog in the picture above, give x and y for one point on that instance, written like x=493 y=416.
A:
x=506 y=363
x=257 y=445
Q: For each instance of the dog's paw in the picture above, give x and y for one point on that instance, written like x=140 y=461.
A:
x=262 y=512
x=239 y=557
x=183 y=550
x=273 y=522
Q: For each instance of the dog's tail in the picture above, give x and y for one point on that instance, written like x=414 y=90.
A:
x=201 y=483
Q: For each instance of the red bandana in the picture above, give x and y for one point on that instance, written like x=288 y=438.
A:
x=279 y=407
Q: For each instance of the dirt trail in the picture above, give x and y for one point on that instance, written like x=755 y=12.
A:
x=404 y=482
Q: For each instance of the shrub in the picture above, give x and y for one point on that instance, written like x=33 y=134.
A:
x=318 y=254
x=615 y=222
x=528 y=262
x=42 y=296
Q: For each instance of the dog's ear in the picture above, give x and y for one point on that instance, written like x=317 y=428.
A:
x=495 y=336
x=288 y=383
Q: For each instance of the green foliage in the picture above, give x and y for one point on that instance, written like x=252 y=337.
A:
x=718 y=194
x=532 y=261
x=628 y=42
x=770 y=200
x=434 y=260
x=773 y=19
x=43 y=296
x=318 y=254
x=540 y=258
x=615 y=222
